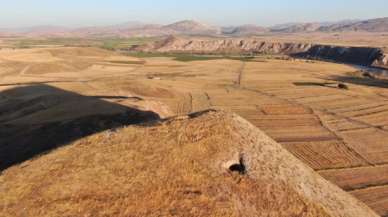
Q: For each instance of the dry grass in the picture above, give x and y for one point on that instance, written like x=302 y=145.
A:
x=175 y=168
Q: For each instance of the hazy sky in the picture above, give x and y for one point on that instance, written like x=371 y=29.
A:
x=16 y=13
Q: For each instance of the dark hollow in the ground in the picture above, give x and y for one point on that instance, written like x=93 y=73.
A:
x=239 y=167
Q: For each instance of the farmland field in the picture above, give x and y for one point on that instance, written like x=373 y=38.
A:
x=338 y=132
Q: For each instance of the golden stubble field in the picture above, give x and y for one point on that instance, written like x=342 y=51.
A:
x=339 y=132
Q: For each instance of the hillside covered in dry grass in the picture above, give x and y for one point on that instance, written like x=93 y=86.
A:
x=204 y=164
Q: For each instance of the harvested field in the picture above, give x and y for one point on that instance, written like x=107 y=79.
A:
x=324 y=155
x=358 y=178
x=375 y=197
x=340 y=133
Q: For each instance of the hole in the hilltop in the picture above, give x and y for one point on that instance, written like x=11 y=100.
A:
x=192 y=192
x=238 y=167
x=343 y=86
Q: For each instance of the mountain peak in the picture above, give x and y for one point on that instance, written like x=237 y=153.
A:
x=187 y=25
x=192 y=27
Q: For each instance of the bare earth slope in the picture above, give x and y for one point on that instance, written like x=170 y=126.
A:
x=209 y=164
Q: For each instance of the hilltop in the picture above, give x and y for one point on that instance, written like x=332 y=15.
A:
x=192 y=27
x=217 y=165
x=297 y=27
x=244 y=30
x=373 y=25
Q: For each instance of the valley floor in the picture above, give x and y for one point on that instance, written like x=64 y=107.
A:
x=340 y=131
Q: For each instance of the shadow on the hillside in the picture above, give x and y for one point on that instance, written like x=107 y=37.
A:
x=320 y=84
x=39 y=118
x=370 y=82
x=364 y=56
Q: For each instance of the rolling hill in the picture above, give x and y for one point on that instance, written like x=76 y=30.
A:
x=373 y=25
x=296 y=27
x=244 y=30
x=217 y=165
x=190 y=27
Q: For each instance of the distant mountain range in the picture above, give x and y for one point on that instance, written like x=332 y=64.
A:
x=189 y=27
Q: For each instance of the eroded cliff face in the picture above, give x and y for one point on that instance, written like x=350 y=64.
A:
x=221 y=46
x=366 y=56
x=381 y=62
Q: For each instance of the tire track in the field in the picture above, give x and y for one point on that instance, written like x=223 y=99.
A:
x=24 y=70
x=240 y=73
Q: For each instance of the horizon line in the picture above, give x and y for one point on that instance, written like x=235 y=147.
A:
x=177 y=21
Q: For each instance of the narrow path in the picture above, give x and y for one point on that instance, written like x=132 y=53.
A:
x=240 y=73
x=24 y=70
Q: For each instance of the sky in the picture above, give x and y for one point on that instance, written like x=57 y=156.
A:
x=75 y=13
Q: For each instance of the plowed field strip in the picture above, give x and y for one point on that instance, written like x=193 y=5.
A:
x=336 y=137
x=374 y=197
x=323 y=155
x=350 y=119
x=370 y=113
x=363 y=108
x=357 y=178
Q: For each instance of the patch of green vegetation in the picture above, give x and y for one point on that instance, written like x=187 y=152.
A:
x=149 y=55
x=31 y=42
x=22 y=45
x=129 y=62
x=190 y=58
x=120 y=43
x=105 y=43
x=182 y=57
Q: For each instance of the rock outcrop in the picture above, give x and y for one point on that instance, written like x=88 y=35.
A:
x=219 y=46
x=381 y=62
